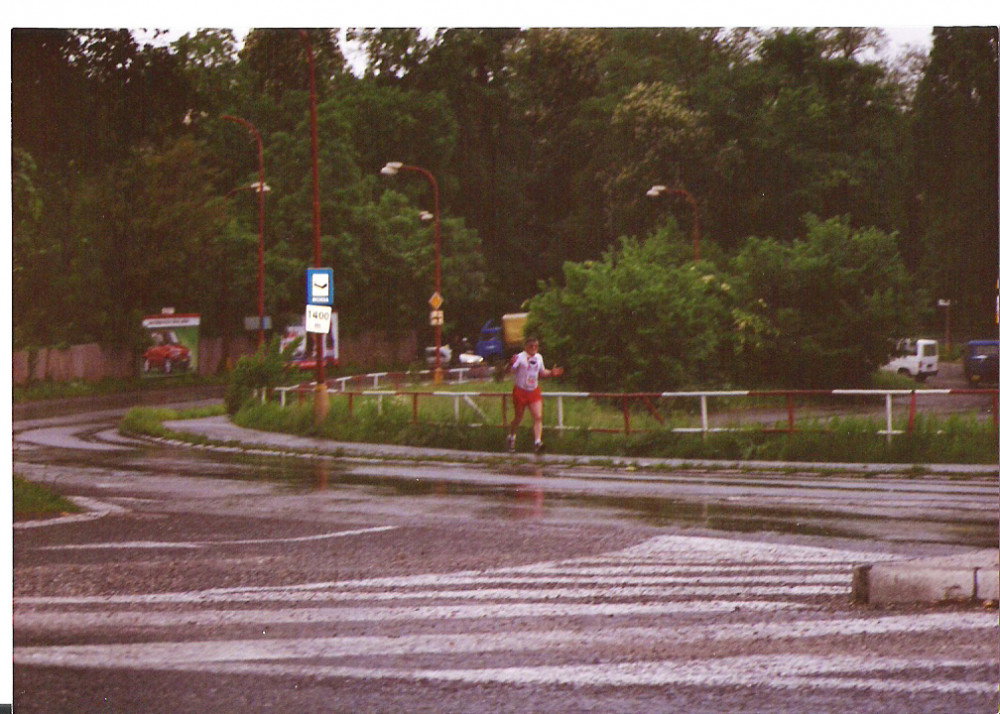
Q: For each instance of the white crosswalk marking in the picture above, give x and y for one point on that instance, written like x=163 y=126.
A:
x=697 y=599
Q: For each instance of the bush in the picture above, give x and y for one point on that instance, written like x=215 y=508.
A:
x=832 y=300
x=643 y=320
x=262 y=370
x=816 y=312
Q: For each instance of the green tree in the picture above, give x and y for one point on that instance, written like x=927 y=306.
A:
x=956 y=173
x=278 y=60
x=148 y=224
x=208 y=59
x=804 y=125
x=392 y=52
x=643 y=319
x=831 y=301
x=29 y=252
x=393 y=273
x=663 y=141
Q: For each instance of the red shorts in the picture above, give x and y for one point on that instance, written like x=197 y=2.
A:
x=524 y=397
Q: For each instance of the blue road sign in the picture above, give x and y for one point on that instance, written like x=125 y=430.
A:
x=319 y=286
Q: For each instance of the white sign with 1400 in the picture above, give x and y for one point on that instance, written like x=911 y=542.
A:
x=318 y=318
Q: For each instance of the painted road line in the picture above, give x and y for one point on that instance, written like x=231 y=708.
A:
x=86 y=620
x=790 y=671
x=162 y=654
x=821 y=584
x=125 y=545
x=649 y=580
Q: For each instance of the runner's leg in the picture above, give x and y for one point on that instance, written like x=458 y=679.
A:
x=536 y=416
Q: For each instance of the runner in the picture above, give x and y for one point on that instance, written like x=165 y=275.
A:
x=527 y=367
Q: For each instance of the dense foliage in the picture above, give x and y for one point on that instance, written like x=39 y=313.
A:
x=813 y=312
x=543 y=143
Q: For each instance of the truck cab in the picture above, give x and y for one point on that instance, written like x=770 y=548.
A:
x=497 y=342
x=982 y=362
x=917 y=358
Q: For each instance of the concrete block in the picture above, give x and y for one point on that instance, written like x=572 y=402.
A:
x=971 y=576
x=907 y=583
x=988 y=584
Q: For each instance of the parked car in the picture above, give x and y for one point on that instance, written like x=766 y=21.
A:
x=448 y=357
x=166 y=353
x=917 y=358
x=304 y=357
x=982 y=362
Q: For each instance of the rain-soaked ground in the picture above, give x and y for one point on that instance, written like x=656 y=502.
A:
x=224 y=581
x=916 y=508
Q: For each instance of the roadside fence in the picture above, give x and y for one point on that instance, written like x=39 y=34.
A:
x=779 y=411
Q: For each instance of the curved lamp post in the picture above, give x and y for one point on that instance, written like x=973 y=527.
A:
x=657 y=191
x=261 y=188
x=391 y=169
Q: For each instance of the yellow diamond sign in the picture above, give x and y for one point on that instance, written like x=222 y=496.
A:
x=436 y=301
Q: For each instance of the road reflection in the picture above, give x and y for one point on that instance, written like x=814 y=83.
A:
x=925 y=509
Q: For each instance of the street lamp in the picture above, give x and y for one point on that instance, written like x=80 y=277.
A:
x=946 y=304
x=657 y=191
x=391 y=169
x=261 y=188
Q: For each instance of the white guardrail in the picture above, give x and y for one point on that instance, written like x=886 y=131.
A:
x=380 y=381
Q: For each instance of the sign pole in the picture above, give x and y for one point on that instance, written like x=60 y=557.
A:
x=322 y=398
x=319 y=307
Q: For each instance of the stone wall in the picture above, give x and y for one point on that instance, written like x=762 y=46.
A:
x=92 y=362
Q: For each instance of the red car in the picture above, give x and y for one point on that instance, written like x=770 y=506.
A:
x=166 y=353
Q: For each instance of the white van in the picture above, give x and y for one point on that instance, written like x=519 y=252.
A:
x=915 y=358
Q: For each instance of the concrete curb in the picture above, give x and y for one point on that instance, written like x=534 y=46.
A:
x=960 y=578
x=221 y=429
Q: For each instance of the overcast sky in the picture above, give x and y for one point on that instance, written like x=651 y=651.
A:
x=910 y=21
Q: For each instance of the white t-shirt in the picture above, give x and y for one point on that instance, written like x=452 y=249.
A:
x=526 y=370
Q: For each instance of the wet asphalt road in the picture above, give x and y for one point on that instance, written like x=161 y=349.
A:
x=226 y=583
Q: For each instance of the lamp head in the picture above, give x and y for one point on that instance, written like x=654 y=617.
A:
x=391 y=168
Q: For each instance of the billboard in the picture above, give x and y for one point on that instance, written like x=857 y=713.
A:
x=171 y=345
x=304 y=357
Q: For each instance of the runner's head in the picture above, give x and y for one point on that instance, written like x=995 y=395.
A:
x=531 y=345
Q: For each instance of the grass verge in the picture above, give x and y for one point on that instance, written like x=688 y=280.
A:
x=149 y=420
x=933 y=440
x=32 y=501
x=956 y=439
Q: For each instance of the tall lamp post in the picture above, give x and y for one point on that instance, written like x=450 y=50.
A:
x=261 y=188
x=946 y=304
x=321 y=402
x=657 y=191
x=391 y=169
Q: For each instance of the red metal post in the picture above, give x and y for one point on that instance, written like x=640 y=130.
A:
x=913 y=410
x=791 y=413
x=320 y=340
